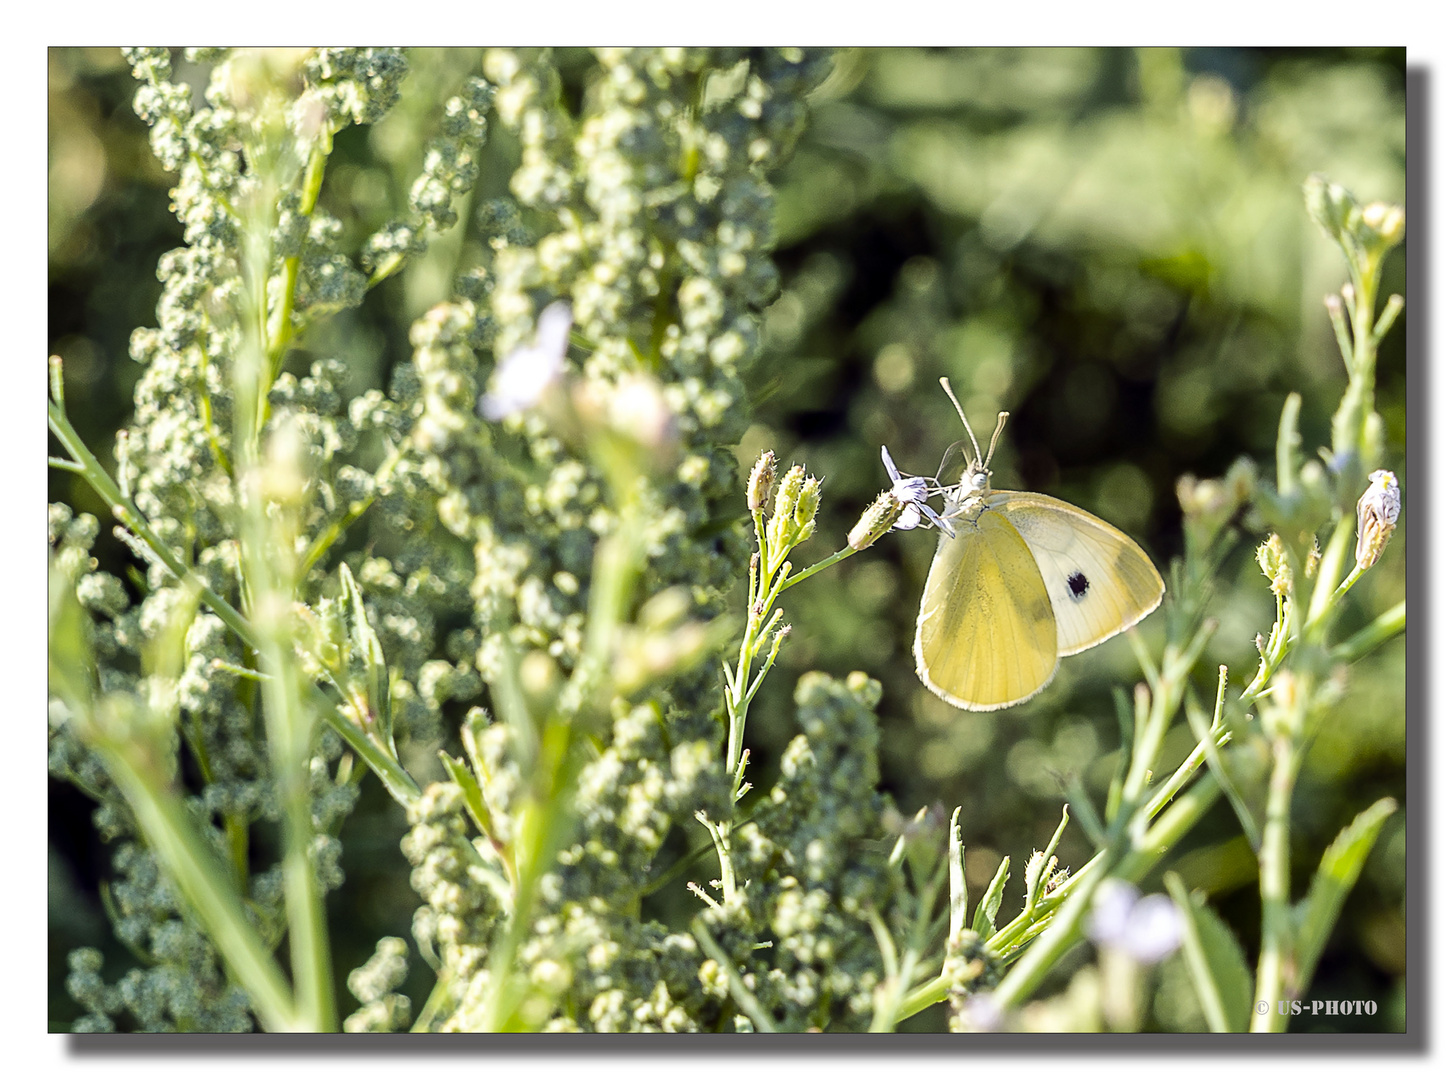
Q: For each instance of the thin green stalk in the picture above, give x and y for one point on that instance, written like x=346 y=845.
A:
x=280 y=330
x=192 y=865
x=398 y=782
x=1388 y=625
x=737 y=682
x=1168 y=829
x=546 y=815
x=1158 y=838
x=804 y=575
x=326 y=539
x=267 y=536
x=1130 y=865
x=125 y=512
x=438 y=999
x=1275 y=960
x=1166 y=697
x=204 y=404
x=234 y=824
x=740 y=993
x=290 y=736
x=1325 y=595
x=889 y=1011
x=739 y=692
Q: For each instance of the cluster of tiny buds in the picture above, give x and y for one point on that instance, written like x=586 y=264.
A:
x=795 y=509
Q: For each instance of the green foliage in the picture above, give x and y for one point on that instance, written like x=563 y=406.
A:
x=334 y=563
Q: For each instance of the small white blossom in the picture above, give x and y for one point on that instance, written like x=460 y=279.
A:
x=912 y=491
x=1146 y=928
x=521 y=379
x=981 y=1012
x=1377 y=516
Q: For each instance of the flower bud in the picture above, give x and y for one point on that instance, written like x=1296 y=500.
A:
x=787 y=495
x=1328 y=204
x=1210 y=504
x=1273 y=559
x=805 y=513
x=876 y=520
x=1387 y=221
x=1378 y=512
x=759 y=484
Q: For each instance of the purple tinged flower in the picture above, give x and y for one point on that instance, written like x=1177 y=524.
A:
x=522 y=377
x=911 y=491
x=1146 y=928
x=981 y=1012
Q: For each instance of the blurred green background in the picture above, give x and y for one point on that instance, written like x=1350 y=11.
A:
x=1110 y=244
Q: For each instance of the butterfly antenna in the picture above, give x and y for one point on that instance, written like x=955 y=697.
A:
x=977 y=459
x=995 y=438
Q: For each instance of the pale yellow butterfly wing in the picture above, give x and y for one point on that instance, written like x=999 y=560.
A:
x=1098 y=580
x=986 y=632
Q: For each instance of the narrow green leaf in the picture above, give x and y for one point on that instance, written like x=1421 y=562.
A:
x=1035 y=873
x=1388 y=625
x=1085 y=813
x=508 y=698
x=366 y=647
x=740 y=993
x=1206 y=731
x=474 y=799
x=1219 y=973
x=1289 y=441
x=1123 y=756
x=1341 y=865
x=989 y=904
x=958 y=887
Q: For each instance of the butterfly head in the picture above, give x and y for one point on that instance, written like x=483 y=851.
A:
x=974 y=484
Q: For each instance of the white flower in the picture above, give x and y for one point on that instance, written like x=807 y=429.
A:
x=981 y=1012
x=521 y=379
x=1377 y=516
x=911 y=491
x=1146 y=928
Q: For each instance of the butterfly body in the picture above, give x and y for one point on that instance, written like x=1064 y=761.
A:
x=1018 y=581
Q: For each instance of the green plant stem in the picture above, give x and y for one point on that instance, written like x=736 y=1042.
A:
x=546 y=814
x=280 y=331
x=759 y=603
x=740 y=993
x=234 y=824
x=1166 y=695
x=398 y=782
x=125 y=512
x=804 y=575
x=889 y=1010
x=1388 y=625
x=1275 y=960
x=290 y=732
x=326 y=539
x=1157 y=839
x=204 y=405
x=1357 y=403
x=267 y=535
x=1325 y=596
x=194 y=868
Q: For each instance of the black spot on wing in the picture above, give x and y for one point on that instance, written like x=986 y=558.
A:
x=1077 y=585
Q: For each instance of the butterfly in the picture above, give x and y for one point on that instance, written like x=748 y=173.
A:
x=1018 y=581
